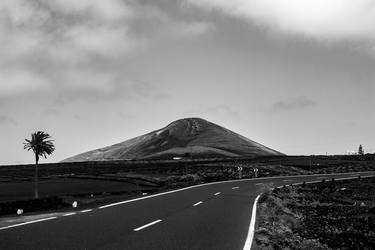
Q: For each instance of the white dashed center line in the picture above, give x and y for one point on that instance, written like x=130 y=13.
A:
x=196 y=204
x=235 y=187
x=260 y=183
x=69 y=214
x=217 y=193
x=87 y=210
x=147 y=225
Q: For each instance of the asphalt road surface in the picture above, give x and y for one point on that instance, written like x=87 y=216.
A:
x=215 y=216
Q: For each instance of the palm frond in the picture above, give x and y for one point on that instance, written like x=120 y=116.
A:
x=40 y=144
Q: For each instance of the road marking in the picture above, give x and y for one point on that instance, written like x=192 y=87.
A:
x=196 y=204
x=217 y=193
x=260 y=183
x=29 y=222
x=235 y=187
x=69 y=214
x=250 y=234
x=147 y=225
x=366 y=175
x=287 y=180
x=213 y=183
x=85 y=211
x=219 y=182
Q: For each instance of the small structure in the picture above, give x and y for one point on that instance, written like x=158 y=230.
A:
x=255 y=172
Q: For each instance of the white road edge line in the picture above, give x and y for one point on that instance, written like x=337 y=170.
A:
x=196 y=204
x=250 y=233
x=207 y=184
x=218 y=182
x=217 y=193
x=29 y=222
x=69 y=214
x=147 y=225
x=85 y=211
x=235 y=187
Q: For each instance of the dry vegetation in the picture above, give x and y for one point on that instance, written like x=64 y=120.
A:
x=328 y=215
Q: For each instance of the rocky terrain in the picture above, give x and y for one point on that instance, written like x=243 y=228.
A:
x=328 y=215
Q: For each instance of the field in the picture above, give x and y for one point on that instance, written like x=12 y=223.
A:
x=60 y=187
x=100 y=182
x=328 y=215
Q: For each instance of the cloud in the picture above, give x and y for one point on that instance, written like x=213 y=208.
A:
x=77 y=28
x=98 y=86
x=65 y=46
x=155 y=23
x=292 y=104
x=191 y=28
x=19 y=82
x=222 y=109
x=125 y=116
x=51 y=112
x=323 y=20
x=7 y=120
x=105 y=10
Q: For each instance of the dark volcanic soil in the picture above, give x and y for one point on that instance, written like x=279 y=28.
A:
x=329 y=215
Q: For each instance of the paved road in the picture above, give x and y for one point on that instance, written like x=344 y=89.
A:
x=215 y=216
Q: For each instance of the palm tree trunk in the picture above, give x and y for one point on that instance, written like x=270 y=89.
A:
x=36 y=193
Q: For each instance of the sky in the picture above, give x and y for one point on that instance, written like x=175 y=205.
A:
x=295 y=75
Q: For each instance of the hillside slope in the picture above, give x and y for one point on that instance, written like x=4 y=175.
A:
x=185 y=137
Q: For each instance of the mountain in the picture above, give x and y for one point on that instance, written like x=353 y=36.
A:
x=182 y=138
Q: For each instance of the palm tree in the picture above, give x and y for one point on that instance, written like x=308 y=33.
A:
x=41 y=146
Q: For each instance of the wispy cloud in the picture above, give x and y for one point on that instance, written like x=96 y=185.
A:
x=7 y=120
x=125 y=116
x=323 y=20
x=101 y=87
x=50 y=112
x=190 y=29
x=297 y=103
x=20 y=81
x=222 y=109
